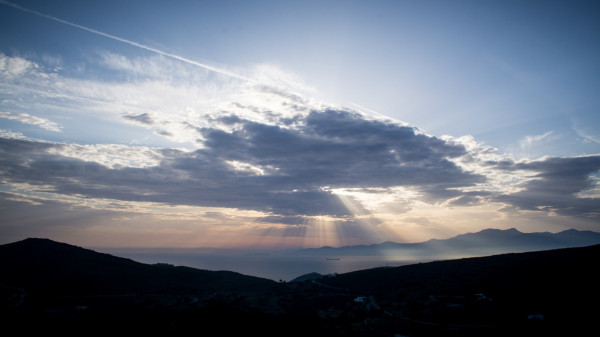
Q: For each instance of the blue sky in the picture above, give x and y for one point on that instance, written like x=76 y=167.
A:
x=278 y=124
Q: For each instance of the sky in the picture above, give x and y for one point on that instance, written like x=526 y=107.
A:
x=283 y=124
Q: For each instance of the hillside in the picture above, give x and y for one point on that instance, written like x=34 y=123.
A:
x=502 y=290
x=45 y=266
x=47 y=286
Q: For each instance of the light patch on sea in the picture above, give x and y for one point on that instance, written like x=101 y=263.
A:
x=275 y=266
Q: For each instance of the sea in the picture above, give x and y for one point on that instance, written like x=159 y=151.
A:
x=278 y=266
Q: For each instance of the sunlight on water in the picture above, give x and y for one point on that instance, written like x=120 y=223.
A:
x=277 y=266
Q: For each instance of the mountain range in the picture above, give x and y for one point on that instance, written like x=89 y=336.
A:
x=485 y=242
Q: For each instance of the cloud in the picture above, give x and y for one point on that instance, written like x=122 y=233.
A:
x=11 y=134
x=31 y=120
x=470 y=198
x=284 y=171
x=110 y=155
x=129 y=42
x=340 y=148
x=586 y=135
x=290 y=220
x=143 y=118
x=11 y=67
x=265 y=148
x=551 y=185
x=556 y=185
x=528 y=141
x=169 y=98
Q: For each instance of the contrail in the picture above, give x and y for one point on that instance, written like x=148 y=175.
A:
x=372 y=112
x=129 y=42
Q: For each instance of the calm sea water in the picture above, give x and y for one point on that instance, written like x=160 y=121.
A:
x=272 y=266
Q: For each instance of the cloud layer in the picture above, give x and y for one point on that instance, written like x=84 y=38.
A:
x=276 y=169
x=259 y=146
x=294 y=171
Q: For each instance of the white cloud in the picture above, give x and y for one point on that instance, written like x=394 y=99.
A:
x=11 y=67
x=8 y=134
x=588 y=137
x=31 y=120
x=111 y=155
x=179 y=97
x=529 y=141
x=258 y=170
x=484 y=159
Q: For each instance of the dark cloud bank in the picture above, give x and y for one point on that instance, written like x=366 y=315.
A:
x=332 y=148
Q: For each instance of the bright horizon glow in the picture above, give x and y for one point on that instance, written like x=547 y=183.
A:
x=408 y=124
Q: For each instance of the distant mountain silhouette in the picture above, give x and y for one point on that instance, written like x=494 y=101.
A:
x=51 y=287
x=485 y=242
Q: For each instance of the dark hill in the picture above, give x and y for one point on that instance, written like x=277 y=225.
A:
x=45 y=266
x=560 y=267
x=561 y=285
x=50 y=287
x=307 y=277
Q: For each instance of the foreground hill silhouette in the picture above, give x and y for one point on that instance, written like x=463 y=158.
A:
x=49 y=287
x=48 y=267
